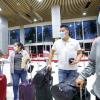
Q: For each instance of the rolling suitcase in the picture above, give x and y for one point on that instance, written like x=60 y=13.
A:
x=27 y=89
x=3 y=84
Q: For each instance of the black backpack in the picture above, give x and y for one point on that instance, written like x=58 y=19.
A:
x=42 y=78
x=67 y=90
x=43 y=83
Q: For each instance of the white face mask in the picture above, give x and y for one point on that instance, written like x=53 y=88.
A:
x=62 y=35
x=99 y=18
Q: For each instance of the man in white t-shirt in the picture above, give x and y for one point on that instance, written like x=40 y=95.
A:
x=66 y=48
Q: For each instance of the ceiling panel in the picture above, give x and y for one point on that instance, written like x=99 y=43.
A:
x=21 y=12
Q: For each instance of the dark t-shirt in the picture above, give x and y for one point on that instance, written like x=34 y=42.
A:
x=17 y=61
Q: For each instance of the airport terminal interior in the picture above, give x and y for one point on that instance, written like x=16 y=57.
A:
x=36 y=24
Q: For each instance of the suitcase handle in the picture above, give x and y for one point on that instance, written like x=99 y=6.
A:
x=81 y=94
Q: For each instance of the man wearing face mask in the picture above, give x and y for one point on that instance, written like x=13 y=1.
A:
x=69 y=54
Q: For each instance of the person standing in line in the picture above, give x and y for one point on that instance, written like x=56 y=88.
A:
x=92 y=68
x=18 y=66
x=69 y=54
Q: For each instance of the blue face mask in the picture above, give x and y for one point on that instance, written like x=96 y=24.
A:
x=99 y=18
x=62 y=34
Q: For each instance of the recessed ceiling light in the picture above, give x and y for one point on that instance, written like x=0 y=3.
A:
x=70 y=25
x=35 y=20
x=84 y=13
x=0 y=9
x=39 y=0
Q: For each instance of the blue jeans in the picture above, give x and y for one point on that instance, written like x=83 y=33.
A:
x=18 y=74
x=66 y=74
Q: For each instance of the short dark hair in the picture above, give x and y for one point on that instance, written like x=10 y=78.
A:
x=64 y=26
x=67 y=28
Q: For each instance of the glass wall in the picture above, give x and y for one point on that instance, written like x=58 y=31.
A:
x=30 y=35
x=40 y=49
x=48 y=47
x=90 y=29
x=14 y=36
x=78 y=30
x=88 y=46
x=39 y=34
x=33 y=51
x=47 y=33
x=82 y=45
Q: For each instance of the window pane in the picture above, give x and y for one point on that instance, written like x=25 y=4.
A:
x=33 y=51
x=82 y=45
x=78 y=29
x=90 y=29
x=71 y=28
x=30 y=35
x=48 y=47
x=40 y=49
x=39 y=34
x=88 y=46
x=14 y=36
x=47 y=33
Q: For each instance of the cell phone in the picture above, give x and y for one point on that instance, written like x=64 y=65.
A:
x=71 y=60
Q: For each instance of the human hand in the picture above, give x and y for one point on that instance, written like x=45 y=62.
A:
x=72 y=61
x=79 y=83
x=49 y=67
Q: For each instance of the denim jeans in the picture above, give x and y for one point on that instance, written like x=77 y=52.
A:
x=18 y=74
x=66 y=74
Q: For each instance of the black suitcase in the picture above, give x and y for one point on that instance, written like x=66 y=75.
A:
x=43 y=83
x=68 y=91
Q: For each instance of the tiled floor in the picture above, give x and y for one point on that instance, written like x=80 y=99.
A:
x=38 y=66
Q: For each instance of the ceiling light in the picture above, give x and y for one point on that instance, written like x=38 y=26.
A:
x=84 y=13
x=39 y=0
x=13 y=31
x=0 y=9
x=78 y=23
x=35 y=20
x=70 y=25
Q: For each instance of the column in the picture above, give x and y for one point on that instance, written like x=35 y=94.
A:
x=56 y=20
x=4 y=34
x=22 y=35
